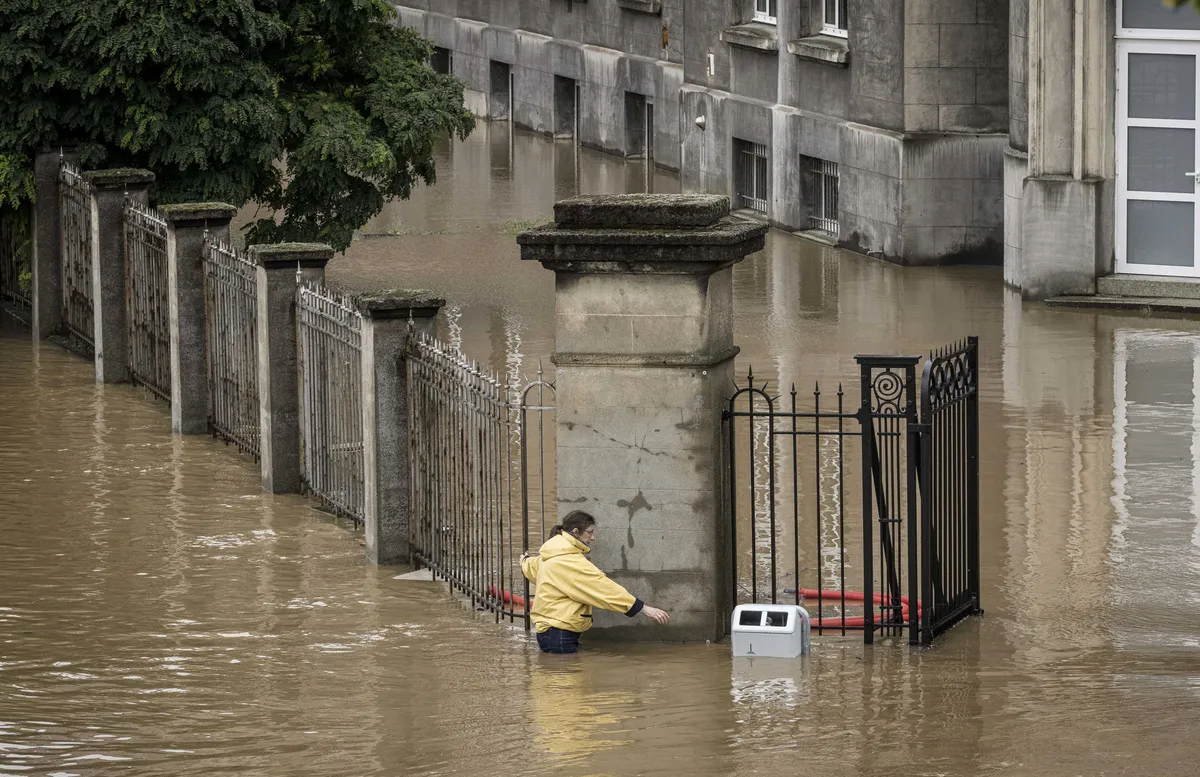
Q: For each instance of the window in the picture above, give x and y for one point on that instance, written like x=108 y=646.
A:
x=441 y=60
x=821 y=193
x=750 y=175
x=835 y=18
x=764 y=10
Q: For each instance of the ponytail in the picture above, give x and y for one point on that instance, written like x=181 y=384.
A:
x=576 y=520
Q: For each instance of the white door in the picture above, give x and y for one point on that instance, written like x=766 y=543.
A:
x=1157 y=155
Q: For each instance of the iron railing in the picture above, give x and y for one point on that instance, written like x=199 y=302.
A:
x=75 y=195
x=949 y=485
x=821 y=183
x=906 y=533
x=14 y=256
x=750 y=168
x=231 y=323
x=147 y=308
x=481 y=486
x=331 y=400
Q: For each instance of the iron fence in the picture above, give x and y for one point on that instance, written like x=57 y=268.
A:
x=75 y=195
x=331 y=405
x=482 y=488
x=750 y=168
x=14 y=256
x=147 y=307
x=949 y=485
x=821 y=193
x=231 y=316
x=898 y=550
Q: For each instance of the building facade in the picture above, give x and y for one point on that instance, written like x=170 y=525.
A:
x=880 y=124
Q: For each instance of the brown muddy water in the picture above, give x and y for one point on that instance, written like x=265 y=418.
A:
x=160 y=615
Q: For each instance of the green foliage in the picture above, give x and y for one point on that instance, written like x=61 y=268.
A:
x=320 y=110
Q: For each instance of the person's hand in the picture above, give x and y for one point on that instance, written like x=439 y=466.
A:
x=528 y=554
x=653 y=613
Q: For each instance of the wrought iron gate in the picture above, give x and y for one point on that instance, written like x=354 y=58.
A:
x=75 y=196
x=147 y=307
x=231 y=326
x=482 y=481
x=895 y=551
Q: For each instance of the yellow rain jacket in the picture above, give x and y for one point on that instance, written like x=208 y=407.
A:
x=569 y=586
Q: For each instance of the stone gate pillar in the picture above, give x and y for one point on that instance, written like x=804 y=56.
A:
x=45 y=242
x=644 y=356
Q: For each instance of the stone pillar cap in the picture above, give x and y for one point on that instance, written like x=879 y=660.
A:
x=398 y=303
x=642 y=233
x=625 y=211
x=120 y=178
x=283 y=255
x=197 y=212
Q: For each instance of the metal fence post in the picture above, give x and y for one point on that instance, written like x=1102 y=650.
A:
x=109 y=190
x=386 y=321
x=188 y=225
x=45 y=246
x=280 y=269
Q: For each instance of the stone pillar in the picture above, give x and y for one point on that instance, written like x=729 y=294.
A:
x=187 y=227
x=109 y=190
x=1067 y=200
x=281 y=268
x=46 y=243
x=386 y=319
x=644 y=353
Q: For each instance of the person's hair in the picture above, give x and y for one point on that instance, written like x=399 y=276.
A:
x=576 y=520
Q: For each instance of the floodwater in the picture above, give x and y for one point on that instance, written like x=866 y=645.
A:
x=160 y=615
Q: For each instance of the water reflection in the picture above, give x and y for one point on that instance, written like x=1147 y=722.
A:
x=158 y=613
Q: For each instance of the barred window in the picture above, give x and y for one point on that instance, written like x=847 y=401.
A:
x=835 y=18
x=821 y=193
x=750 y=175
x=765 y=10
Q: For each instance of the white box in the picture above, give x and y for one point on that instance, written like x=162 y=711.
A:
x=771 y=630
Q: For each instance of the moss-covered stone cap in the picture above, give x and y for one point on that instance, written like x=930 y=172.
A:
x=399 y=303
x=304 y=255
x=119 y=178
x=625 y=211
x=197 y=212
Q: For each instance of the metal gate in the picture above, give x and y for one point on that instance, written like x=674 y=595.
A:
x=75 y=204
x=147 y=307
x=893 y=547
x=231 y=337
x=482 y=478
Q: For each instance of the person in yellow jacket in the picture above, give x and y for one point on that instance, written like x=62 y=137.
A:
x=569 y=586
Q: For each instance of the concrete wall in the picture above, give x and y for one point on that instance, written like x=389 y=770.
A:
x=919 y=79
x=955 y=65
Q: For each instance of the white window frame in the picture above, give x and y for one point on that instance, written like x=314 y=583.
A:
x=837 y=27
x=1147 y=33
x=762 y=11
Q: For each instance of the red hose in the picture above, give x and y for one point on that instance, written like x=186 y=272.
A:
x=808 y=594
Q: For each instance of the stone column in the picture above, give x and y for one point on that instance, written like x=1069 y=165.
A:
x=109 y=190
x=281 y=268
x=1067 y=200
x=386 y=320
x=644 y=353
x=46 y=243
x=187 y=227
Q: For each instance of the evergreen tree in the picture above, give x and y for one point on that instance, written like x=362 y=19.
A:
x=320 y=110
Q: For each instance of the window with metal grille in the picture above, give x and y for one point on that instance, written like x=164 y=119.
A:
x=765 y=10
x=750 y=175
x=835 y=18
x=821 y=193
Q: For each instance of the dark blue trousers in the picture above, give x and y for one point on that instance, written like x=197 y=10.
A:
x=554 y=640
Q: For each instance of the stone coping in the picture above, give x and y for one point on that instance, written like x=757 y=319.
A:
x=643 y=6
x=283 y=255
x=822 y=48
x=184 y=213
x=728 y=231
x=119 y=178
x=752 y=35
x=622 y=211
x=399 y=303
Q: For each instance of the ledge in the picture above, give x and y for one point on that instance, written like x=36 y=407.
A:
x=822 y=48
x=399 y=303
x=752 y=35
x=119 y=178
x=189 y=213
x=293 y=255
x=642 y=6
